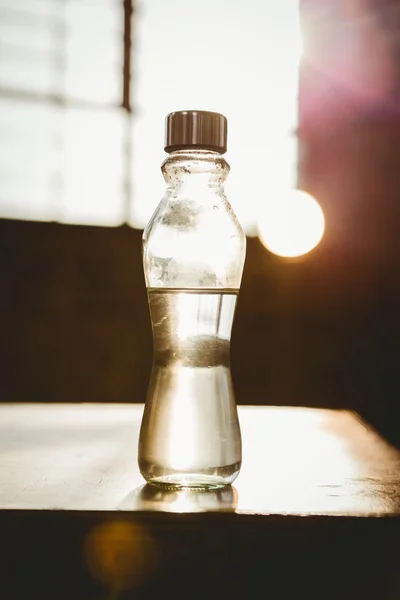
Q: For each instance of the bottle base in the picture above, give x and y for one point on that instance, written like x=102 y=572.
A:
x=201 y=480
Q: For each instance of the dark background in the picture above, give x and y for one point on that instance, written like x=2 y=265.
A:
x=322 y=330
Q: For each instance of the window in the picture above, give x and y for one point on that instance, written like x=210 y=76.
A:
x=82 y=116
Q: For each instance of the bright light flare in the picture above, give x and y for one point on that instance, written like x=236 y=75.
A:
x=291 y=224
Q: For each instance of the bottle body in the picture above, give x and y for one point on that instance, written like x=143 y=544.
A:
x=193 y=256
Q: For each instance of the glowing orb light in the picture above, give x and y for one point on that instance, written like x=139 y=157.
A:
x=291 y=224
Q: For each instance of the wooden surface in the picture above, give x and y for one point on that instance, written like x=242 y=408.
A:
x=296 y=461
x=313 y=514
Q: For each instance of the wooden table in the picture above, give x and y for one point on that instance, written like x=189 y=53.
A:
x=317 y=503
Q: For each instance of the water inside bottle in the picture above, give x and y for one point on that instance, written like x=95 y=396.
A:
x=190 y=433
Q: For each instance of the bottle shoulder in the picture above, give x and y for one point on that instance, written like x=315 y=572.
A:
x=190 y=213
x=187 y=244
x=194 y=238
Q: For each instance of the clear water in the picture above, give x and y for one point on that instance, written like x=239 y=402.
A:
x=190 y=435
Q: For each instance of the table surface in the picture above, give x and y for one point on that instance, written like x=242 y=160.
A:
x=296 y=461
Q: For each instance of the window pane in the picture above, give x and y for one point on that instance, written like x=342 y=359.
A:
x=59 y=161
x=28 y=44
x=93 y=167
x=29 y=161
x=94 y=50
x=242 y=61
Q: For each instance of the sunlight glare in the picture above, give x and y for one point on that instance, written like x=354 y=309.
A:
x=292 y=224
x=291 y=436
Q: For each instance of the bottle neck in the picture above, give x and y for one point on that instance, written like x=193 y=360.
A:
x=195 y=167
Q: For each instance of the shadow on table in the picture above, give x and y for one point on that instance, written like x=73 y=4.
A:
x=149 y=497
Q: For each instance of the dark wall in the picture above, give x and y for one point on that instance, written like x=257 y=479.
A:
x=321 y=331
x=74 y=319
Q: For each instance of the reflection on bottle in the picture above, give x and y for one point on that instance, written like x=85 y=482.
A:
x=149 y=497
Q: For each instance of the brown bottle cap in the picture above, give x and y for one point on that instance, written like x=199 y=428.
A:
x=196 y=129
